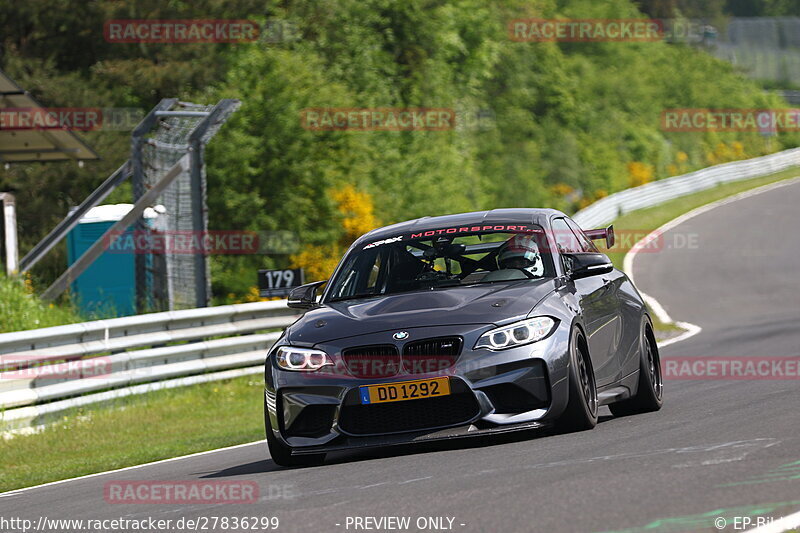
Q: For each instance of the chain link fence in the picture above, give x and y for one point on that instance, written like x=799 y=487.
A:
x=174 y=277
x=764 y=47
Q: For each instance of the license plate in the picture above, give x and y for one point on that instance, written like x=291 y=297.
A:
x=405 y=390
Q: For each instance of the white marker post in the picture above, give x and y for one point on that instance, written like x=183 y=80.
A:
x=10 y=238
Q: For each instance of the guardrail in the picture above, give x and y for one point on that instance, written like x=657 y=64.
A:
x=607 y=209
x=49 y=364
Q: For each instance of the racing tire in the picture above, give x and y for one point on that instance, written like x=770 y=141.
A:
x=581 y=411
x=650 y=392
x=282 y=454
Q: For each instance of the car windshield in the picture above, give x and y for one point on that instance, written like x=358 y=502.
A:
x=438 y=260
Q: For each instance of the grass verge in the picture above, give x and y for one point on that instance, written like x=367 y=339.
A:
x=175 y=422
x=136 y=430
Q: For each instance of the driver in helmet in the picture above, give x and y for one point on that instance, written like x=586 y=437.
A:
x=518 y=258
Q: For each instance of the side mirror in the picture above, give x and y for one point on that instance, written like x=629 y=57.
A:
x=598 y=234
x=304 y=296
x=583 y=265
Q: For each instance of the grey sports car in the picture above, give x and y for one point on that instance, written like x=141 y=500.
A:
x=460 y=325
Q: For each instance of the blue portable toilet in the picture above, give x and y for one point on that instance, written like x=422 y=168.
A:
x=108 y=286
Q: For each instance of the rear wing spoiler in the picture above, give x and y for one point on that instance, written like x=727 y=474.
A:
x=600 y=234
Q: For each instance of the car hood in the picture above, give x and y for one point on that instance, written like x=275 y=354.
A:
x=489 y=303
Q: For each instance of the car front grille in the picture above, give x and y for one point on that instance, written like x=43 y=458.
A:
x=457 y=408
x=377 y=361
x=431 y=355
x=419 y=357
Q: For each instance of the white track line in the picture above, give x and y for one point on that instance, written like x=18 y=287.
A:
x=690 y=330
x=134 y=467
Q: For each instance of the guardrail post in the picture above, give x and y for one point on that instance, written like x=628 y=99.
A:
x=10 y=232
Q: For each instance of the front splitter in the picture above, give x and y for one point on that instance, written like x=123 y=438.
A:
x=381 y=441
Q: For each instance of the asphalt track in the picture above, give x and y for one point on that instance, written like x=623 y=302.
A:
x=717 y=448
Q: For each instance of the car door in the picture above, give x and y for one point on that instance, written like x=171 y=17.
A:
x=599 y=302
x=614 y=280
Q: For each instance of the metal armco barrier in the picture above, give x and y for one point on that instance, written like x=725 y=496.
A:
x=605 y=210
x=50 y=364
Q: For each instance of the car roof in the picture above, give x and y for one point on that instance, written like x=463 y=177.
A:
x=491 y=217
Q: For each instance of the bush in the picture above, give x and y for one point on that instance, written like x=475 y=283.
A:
x=20 y=309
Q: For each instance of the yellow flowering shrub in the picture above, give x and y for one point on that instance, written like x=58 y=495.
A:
x=738 y=150
x=639 y=173
x=27 y=282
x=561 y=189
x=680 y=166
x=358 y=217
x=357 y=211
x=253 y=295
x=317 y=261
x=723 y=153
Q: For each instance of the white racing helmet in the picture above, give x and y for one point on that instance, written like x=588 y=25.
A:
x=520 y=251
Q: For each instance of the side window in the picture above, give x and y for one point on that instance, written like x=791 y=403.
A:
x=565 y=239
x=583 y=241
x=362 y=274
x=373 y=273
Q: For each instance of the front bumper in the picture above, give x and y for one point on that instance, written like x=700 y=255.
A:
x=491 y=391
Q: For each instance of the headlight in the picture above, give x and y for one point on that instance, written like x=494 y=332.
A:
x=517 y=334
x=301 y=359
